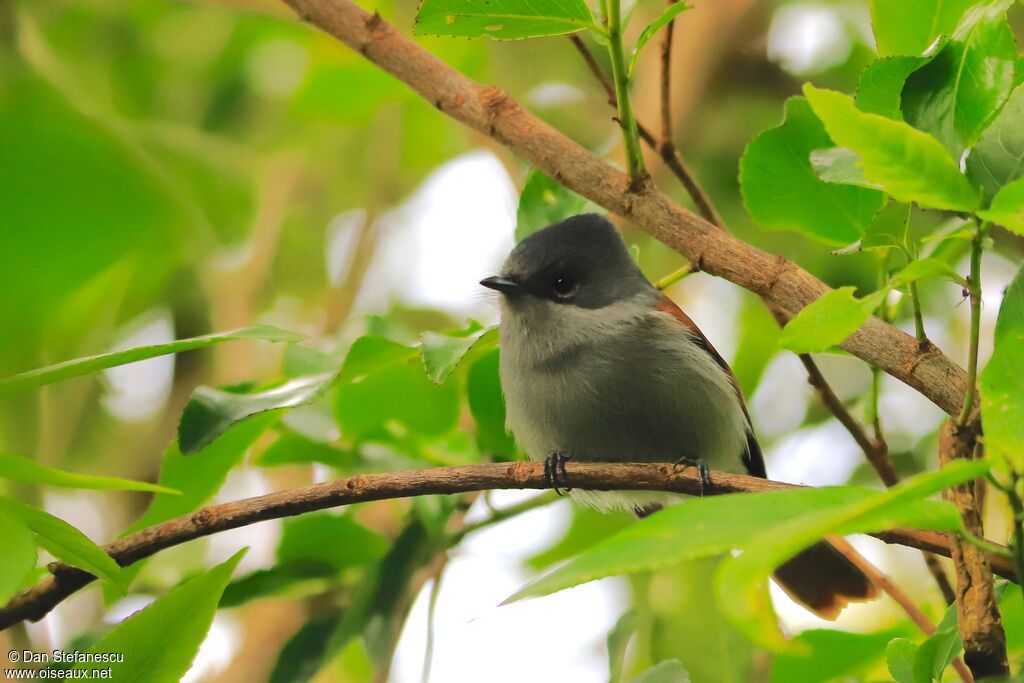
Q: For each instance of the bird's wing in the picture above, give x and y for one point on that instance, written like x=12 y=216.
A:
x=752 y=459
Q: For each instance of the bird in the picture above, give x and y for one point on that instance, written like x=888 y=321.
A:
x=597 y=364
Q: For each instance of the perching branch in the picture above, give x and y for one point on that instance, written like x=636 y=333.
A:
x=36 y=602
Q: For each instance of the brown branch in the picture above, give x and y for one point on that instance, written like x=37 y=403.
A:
x=981 y=626
x=493 y=112
x=38 y=600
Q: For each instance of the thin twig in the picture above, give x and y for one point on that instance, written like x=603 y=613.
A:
x=666 y=78
x=37 y=601
x=883 y=581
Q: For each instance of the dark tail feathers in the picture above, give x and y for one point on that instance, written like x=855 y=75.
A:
x=824 y=581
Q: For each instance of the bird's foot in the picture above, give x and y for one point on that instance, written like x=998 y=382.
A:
x=554 y=472
x=703 y=473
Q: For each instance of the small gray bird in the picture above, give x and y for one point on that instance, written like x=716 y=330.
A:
x=598 y=365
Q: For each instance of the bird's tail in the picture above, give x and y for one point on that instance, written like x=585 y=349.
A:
x=824 y=580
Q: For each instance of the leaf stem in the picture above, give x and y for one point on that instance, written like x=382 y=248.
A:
x=915 y=300
x=674 y=277
x=1017 y=507
x=630 y=135
x=977 y=244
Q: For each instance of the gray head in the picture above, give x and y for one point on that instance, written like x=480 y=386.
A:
x=581 y=261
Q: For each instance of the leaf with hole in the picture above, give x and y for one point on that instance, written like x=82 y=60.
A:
x=502 y=19
x=782 y=191
x=910 y=165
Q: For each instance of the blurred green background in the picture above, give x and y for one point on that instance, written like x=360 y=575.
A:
x=169 y=169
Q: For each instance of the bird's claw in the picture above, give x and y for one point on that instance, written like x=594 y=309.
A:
x=554 y=472
x=703 y=473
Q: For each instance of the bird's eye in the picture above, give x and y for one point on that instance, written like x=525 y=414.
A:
x=564 y=286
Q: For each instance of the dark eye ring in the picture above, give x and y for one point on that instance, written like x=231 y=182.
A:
x=564 y=286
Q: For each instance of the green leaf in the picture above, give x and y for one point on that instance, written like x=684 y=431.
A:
x=160 y=641
x=502 y=19
x=961 y=90
x=939 y=649
x=384 y=382
x=740 y=583
x=19 y=557
x=908 y=28
x=912 y=166
x=293 y=580
x=782 y=192
x=833 y=655
x=442 y=353
x=668 y=671
x=1002 y=381
x=200 y=476
x=306 y=651
x=370 y=354
x=330 y=539
x=880 y=87
x=839 y=165
x=291 y=448
x=899 y=658
x=487 y=406
x=888 y=230
x=829 y=320
x=670 y=13
x=998 y=158
x=210 y=412
x=1007 y=207
x=618 y=639
x=543 y=202
x=66 y=542
x=16 y=468
x=710 y=527
x=83 y=366
x=927 y=268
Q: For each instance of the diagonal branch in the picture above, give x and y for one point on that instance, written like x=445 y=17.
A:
x=37 y=601
x=493 y=112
